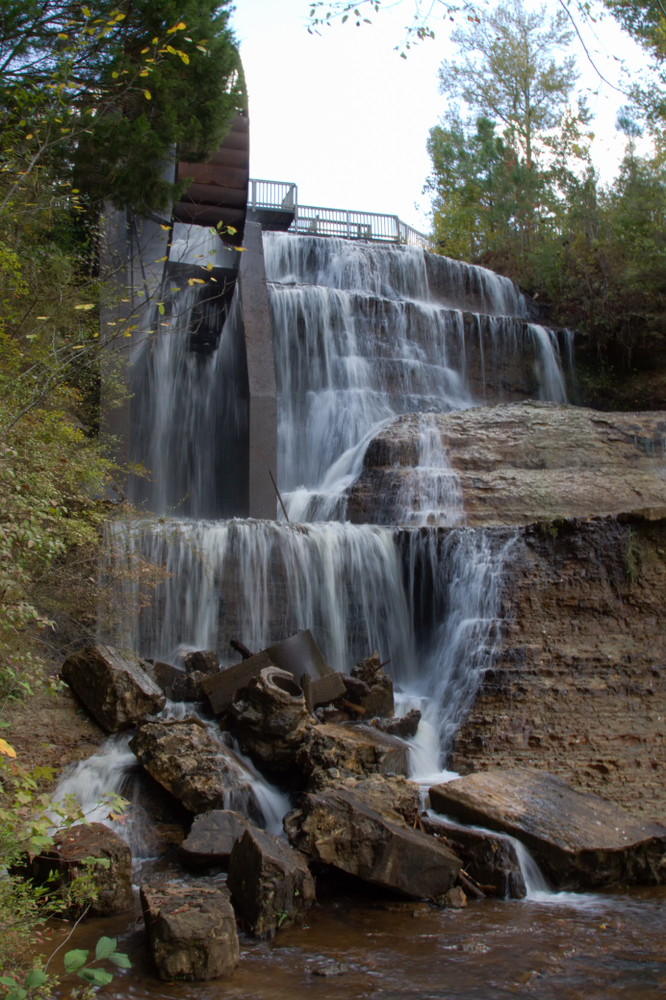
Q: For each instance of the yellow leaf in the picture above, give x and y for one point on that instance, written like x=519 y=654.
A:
x=114 y=75
x=87 y=12
x=6 y=749
x=88 y=305
x=164 y=227
x=42 y=317
x=209 y=267
x=144 y=72
x=29 y=136
x=147 y=95
x=155 y=41
x=128 y=334
x=147 y=49
x=184 y=56
x=65 y=37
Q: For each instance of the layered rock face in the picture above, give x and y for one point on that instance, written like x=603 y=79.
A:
x=578 y=684
x=578 y=687
x=523 y=462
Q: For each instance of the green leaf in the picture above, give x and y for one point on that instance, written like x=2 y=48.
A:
x=105 y=947
x=122 y=961
x=16 y=995
x=35 y=978
x=75 y=960
x=97 y=977
x=6 y=981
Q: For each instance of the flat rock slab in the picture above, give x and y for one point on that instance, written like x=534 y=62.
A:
x=191 y=929
x=355 y=749
x=115 y=690
x=72 y=857
x=212 y=838
x=522 y=462
x=270 y=883
x=341 y=827
x=221 y=687
x=579 y=840
x=190 y=763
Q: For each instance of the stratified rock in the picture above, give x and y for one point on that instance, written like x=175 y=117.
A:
x=115 y=690
x=343 y=828
x=191 y=929
x=578 y=840
x=164 y=675
x=353 y=749
x=212 y=837
x=404 y=727
x=112 y=879
x=489 y=859
x=384 y=791
x=202 y=661
x=271 y=720
x=379 y=699
x=190 y=763
x=270 y=883
x=522 y=462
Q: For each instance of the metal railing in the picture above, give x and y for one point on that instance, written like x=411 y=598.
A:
x=276 y=195
x=316 y=221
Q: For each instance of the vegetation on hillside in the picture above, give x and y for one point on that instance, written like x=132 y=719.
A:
x=94 y=101
x=514 y=187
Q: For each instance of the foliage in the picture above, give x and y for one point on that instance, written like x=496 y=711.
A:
x=26 y=821
x=101 y=94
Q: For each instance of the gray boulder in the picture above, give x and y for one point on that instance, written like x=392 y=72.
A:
x=191 y=929
x=342 y=828
x=271 y=720
x=352 y=749
x=489 y=859
x=116 y=690
x=187 y=760
x=72 y=857
x=212 y=838
x=578 y=840
x=270 y=883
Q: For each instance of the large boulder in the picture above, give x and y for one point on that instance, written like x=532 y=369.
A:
x=191 y=929
x=384 y=791
x=270 y=883
x=489 y=859
x=578 y=840
x=221 y=687
x=271 y=720
x=377 y=700
x=354 y=749
x=353 y=832
x=116 y=690
x=212 y=838
x=187 y=759
x=90 y=854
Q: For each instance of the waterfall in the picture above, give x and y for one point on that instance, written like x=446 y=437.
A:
x=362 y=334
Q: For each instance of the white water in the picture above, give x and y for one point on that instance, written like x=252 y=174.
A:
x=361 y=334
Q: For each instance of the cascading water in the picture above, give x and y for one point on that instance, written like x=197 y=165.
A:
x=361 y=335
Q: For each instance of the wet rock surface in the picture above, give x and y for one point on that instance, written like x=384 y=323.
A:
x=378 y=699
x=405 y=727
x=271 y=720
x=270 y=883
x=212 y=837
x=578 y=840
x=190 y=763
x=383 y=791
x=489 y=860
x=116 y=690
x=343 y=828
x=73 y=857
x=356 y=749
x=191 y=929
x=523 y=462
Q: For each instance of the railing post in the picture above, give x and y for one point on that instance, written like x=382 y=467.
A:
x=254 y=194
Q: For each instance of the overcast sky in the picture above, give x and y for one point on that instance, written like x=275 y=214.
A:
x=345 y=118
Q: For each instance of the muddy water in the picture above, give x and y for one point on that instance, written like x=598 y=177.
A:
x=604 y=946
